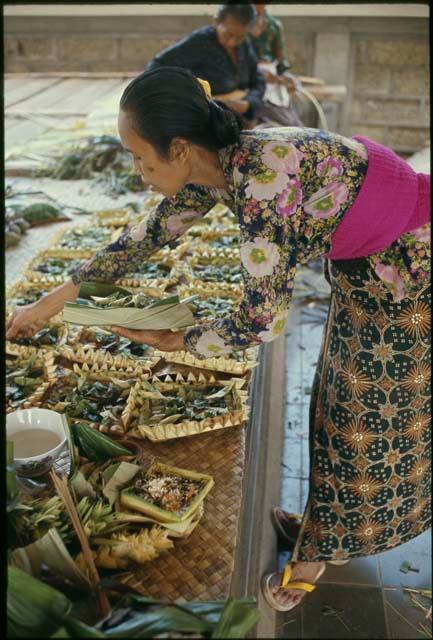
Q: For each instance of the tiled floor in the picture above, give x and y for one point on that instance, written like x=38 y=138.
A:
x=368 y=592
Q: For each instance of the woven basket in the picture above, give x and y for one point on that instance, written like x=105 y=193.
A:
x=112 y=217
x=14 y=349
x=20 y=289
x=159 y=513
x=19 y=362
x=39 y=398
x=55 y=251
x=36 y=276
x=151 y=286
x=223 y=364
x=204 y=255
x=168 y=431
x=104 y=361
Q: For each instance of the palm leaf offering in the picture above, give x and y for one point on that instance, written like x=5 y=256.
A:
x=212 y=308
x=98 y=338
x=218 y=273
x=26 y=292
x=99 y=157
x=131 y=310
x=165 y=410
x=45 y=536
x=216 y=266
x=165 y=492
x=23 y=377
x=86 y=237
x=46 y=339
x=210 y=239
x=50 y=266
x=86 y=158
x=113 y=217
x=86 y=397
x=153 y=270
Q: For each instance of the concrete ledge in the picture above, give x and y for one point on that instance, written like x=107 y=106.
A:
x=356 y=10
x=256 y=551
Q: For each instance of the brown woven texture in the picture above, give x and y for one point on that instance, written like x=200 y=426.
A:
x=200 y=567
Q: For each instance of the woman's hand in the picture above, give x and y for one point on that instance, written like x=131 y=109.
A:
x=291 y=82
x=237 y=94
x=164 y=340
x=25 y=321
x=241 y=106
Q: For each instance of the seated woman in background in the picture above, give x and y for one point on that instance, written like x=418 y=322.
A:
x=223 y=55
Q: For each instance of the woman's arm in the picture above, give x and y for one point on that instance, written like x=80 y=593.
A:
x=171 y=218
x=268 y=273
x=28 y=319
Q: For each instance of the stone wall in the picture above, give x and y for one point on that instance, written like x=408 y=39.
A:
x=391 y=89
x=383 y=62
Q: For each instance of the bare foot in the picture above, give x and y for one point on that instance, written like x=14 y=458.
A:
x=301 y=572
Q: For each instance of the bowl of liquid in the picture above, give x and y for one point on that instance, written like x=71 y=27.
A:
x=39 y=436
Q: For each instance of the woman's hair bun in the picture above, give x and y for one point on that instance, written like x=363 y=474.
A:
x=169 y=102
x=225 y=124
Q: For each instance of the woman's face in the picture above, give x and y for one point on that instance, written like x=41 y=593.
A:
x=230 y=33
x=165 y=175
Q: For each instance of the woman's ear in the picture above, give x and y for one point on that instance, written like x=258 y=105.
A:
x=179 y=150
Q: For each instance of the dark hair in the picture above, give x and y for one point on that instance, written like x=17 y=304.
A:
x=243 y=13
x=169 y=102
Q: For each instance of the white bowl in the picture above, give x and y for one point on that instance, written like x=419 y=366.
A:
x=37 y=419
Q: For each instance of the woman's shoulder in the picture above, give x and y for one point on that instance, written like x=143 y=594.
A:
x=310 y=139
x=281 y=134
x=252 y=141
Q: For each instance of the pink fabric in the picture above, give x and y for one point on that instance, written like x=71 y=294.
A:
x=393 y=199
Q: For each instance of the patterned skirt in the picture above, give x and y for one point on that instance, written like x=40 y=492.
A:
x=370 y=439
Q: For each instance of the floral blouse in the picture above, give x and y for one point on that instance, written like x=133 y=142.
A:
x=289 y=188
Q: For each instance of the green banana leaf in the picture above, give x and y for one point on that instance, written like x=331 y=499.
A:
x=37 y=610
x=76 y=629
x=236 y=620
x=100 y=289
x=50 y=551
x=34 y=609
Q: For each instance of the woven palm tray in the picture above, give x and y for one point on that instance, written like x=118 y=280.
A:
x=200 y=567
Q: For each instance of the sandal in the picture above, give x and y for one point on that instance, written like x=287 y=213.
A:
x=282 y=520
x=286 y=584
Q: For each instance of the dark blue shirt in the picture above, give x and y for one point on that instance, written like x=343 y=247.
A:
x=201 y=53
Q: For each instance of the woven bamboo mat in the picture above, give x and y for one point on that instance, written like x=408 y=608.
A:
x=200 y=567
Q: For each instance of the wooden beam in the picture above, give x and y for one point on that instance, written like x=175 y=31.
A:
x=24 y=113
x=74 y=74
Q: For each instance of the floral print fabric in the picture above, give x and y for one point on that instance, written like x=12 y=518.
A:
x=289 y=188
